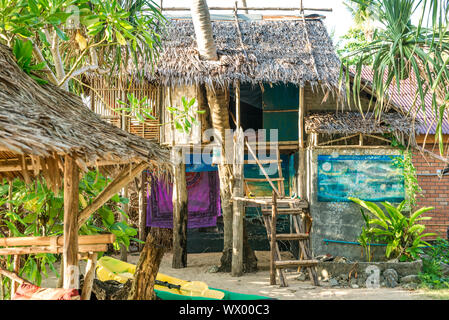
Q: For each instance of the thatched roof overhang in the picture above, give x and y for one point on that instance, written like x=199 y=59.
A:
x=294 y=51
x=353 y=123
x=41 y=123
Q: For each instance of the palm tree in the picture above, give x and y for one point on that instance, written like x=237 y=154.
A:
x=218 y=101
x=362 y=13
x=401 y=48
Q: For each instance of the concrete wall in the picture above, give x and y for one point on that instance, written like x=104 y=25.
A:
x=337 y=220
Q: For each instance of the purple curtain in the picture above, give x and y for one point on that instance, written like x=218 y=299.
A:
x=203 y=189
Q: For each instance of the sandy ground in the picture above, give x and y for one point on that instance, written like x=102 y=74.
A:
x=200 y=265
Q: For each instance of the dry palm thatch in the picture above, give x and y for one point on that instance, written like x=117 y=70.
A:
x=41 y=123
x=297 y=51
x=354 y=122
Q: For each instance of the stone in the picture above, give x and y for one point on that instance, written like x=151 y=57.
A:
x=302 y=277
x=343 y=277
x=413 y=278
x=213 y=269
x=340 y=259
x=354 y=286
x=391 y=278
x=333 y=282
x=410 y=286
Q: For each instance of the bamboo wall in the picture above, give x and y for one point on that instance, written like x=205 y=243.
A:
x=105 y=95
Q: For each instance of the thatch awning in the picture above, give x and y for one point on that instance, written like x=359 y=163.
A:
x=353 y=123
x=287 y=51
x=43 y=121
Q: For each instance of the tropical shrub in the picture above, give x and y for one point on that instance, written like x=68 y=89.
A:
x=402 y=233
x=432 y=276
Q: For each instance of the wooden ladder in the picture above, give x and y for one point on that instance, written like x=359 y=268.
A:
x=300 y=218
x=301 y=232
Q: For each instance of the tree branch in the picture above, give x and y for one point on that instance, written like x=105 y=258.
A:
x=40 y=58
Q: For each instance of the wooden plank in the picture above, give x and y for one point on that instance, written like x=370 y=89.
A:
x=264 y=180
x=292 y=236
x=122 y=179
x=71 y=203
x=89 y=276
x=51 y=249
x=262 y=161
x=295 y=263
x=59 y=241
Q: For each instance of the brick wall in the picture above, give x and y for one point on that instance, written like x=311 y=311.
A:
x=435 y=192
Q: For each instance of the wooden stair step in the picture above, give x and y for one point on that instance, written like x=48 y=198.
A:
x=292 y=211
x=262 y=161
x=262 y=179
x=295 y=263
x=292 y=236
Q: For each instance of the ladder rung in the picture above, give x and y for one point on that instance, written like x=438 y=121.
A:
x=292 y=211
x=294 y=263
x=262 y=161
x=263 y=179
x=292 y=236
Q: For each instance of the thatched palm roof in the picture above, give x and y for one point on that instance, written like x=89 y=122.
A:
x=288 y=51
x=45 y=121
x=353 y=122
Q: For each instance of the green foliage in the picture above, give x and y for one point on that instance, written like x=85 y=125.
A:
x=184 y=118
x=23 y=51
x=352 y=41
x=138 y=108
x=412 y=188
x=399 y=48
x=37 y=211
x=402 y=234
x=431 y=275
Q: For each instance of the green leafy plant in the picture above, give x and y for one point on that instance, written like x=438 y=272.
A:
x=184 y=118
x=431 y=275
x=403 y=234
x=23 y=51
x=37 y=211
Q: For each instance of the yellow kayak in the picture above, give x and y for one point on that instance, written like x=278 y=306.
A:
x=109 y=268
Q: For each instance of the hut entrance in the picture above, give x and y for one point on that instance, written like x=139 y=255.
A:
x=251 y=114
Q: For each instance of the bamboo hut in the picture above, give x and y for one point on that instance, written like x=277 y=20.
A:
x=282 y=74
x=47 y=132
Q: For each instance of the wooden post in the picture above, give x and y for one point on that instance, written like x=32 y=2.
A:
x=89 y=276
x=180 y=210
x=125 y=208
x=71 y=200
x=142 y=209
x=302 y=155
x=273 y=240
x=16 y=266
x=238 y=207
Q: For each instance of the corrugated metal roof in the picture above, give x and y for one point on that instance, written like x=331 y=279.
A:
x=406 y=100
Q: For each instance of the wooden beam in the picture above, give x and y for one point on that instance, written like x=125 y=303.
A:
x=142 y=209
x=51 y=249
x=180 y=210
x=57 y=241
x=71 y=203
x=302 y=174
x=273 y=241
x=122 y=179
x=89 y=276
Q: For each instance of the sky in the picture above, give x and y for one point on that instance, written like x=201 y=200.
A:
x=338 y=21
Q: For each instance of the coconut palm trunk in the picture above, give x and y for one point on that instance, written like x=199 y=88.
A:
x=218 y=101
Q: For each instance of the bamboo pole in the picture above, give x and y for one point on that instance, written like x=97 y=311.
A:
x=71 y=200
x=16 y=267
x=89 y=276
x=302 y=155
x=58 y=241
x=51 y=249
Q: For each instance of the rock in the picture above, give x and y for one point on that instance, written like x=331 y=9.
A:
x=391 y=278
x=444 y=268
x=213 y=269
x=343 y=277
x=413 y=278
x=340 y=259
x=410 y=286
x=354 y=286
x=333 y=282
x=302 y=276
x=325 y=257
